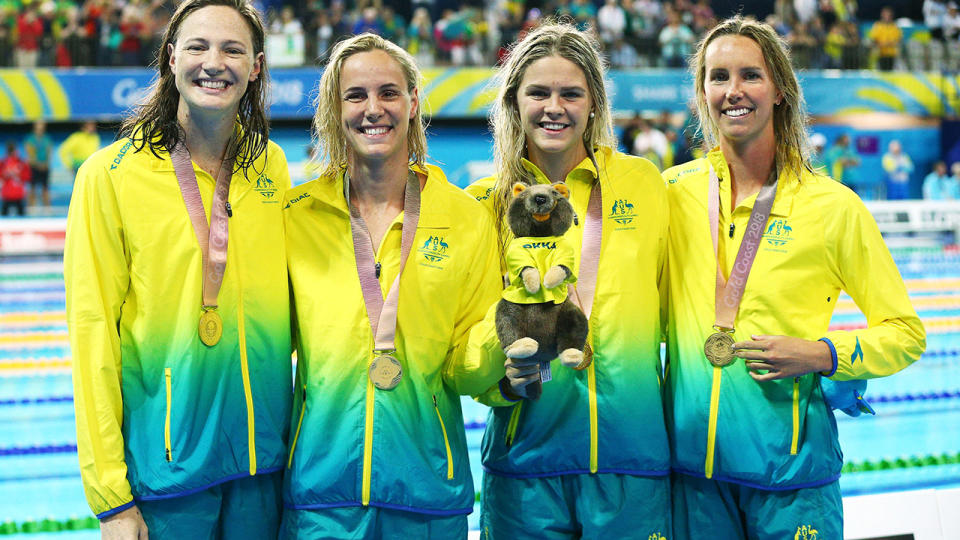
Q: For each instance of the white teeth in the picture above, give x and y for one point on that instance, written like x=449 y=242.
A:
x=551 y=125
x=737 y=112
x=213 y=84
x=375 y=130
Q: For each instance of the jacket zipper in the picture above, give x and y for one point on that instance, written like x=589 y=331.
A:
x=166 y=423
x=245 y=370
x=513 y=424
x=712 y=425
x=296 y=434
x=592 y=389
x=446 y=440
x=796 y=416
x=367 y=442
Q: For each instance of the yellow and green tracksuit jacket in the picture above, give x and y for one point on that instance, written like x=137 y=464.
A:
x=159 y=414
x=77 y=148
x=542 y=253
x=819 y=240
x=607 y=418
x=405 y=448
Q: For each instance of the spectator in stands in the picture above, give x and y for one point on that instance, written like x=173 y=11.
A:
x=29 y=33
x=369 y=21
x=316 y=49
x=898 y=167
x=583 y=12
x=420 y=37
x=805 y=10
x=834 y=44
x=951 y=23
x=651 y=143
x=803 y=46
x=6 y=44
x=933 y=183
x=676 y=40
x=611 y=23
x=182 y=427
x=79 y=146
x=950 y=188
x=755 y=446
x=818 y=144
x=39 y=148
x=623 y=55
x=935 y=17
x=664 y=123
x=394 y=27
x=15 y=175
x=560 y=471
x=842 y=161
x=886 y=37
x=131 y=31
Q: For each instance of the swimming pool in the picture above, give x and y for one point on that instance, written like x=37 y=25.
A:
x=912 y=443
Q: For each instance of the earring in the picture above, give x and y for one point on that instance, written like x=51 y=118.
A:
x=592 y=114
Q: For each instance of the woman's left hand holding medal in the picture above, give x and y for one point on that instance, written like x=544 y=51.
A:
x=780 y=357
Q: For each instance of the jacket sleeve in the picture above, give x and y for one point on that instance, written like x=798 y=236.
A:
x=96 y=273
x=475 y=360
x=66 y=152
x=894 y=337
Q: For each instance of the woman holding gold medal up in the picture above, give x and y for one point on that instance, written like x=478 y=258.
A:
x=180 y=326
x=391 y=267
x=760 y=248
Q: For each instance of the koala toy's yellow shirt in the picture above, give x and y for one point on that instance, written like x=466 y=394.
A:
x=542 y=253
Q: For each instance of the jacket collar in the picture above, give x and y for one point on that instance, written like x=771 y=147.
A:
x=329 y=191
x=585 y=171
x=787 y=186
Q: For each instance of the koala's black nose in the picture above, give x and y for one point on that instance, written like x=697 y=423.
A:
x=540 y=199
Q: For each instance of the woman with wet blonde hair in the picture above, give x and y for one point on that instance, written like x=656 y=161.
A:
x=589 y=458
x=760 y=248
x=327 y=128
x=391 y=267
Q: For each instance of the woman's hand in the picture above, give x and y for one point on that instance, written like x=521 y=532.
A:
x=520 y=373
x=783 y=357
x=126 y=525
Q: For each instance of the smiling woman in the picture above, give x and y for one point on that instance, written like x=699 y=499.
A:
x=181 y=346
x=392 y=268
x=759 y=439
x=551 y=123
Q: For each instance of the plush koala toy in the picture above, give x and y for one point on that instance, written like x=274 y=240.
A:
x=535 y=319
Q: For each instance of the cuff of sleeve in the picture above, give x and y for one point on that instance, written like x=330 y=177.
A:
x=505 y=392
x=117 y=510
x=833 y=356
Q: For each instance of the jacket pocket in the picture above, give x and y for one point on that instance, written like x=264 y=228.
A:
x=296 y=433
x=512 y=425
x=446 y=439
x=166 y=423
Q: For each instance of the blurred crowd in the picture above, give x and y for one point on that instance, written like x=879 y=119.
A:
x=635 y=33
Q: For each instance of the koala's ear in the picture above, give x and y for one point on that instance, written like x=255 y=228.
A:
x=518 y=188
x=563 y=189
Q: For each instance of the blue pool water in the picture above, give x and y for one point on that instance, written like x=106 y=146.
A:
x=918 y=409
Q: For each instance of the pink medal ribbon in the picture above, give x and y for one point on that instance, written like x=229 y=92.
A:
x=586 y=286
x=212 y=239
x=385 y=371
x=729 y=292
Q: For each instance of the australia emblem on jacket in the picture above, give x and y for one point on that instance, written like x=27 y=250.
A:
x=622 y=212
x=434 y=249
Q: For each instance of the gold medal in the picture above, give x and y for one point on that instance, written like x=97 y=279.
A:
x=587 y=357
x=211 y=327
x=385 y=372
x=719 y=349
